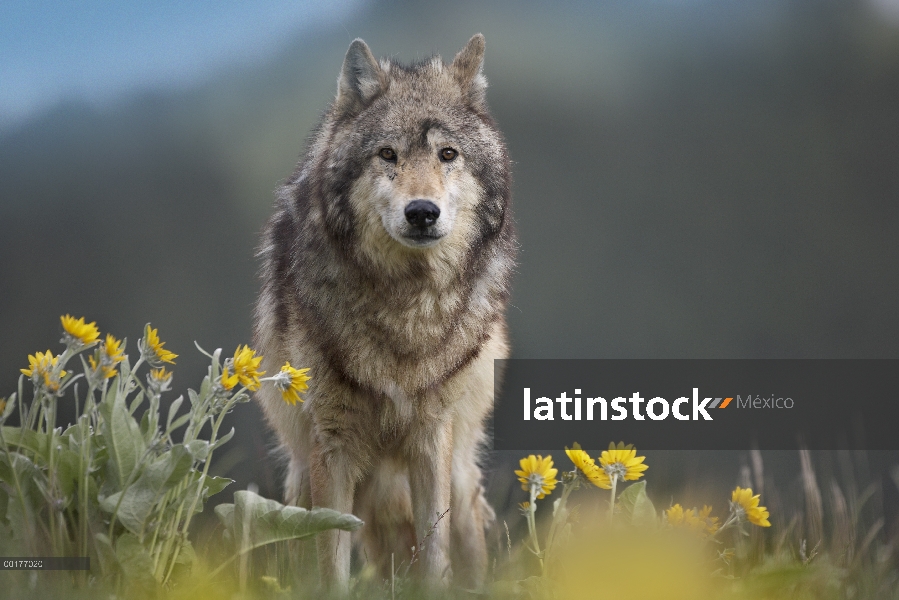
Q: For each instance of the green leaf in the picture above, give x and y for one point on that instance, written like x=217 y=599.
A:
x=136 y=402
x=179 y=422
x=151 y=418
x=211 y=485
x=214 y=485
x=109 y=564
x=254 y=521
x=136 y=504
x=173 y=410
x=199 y=449
x=222 y=440
x=122 y=437
x=4 y=504
x=186 y=554
x=10 y=406
x=27 y=439
x=535 y=587
x=636 y=506
x=68 y=471
x=133 y=558
x=23 y=519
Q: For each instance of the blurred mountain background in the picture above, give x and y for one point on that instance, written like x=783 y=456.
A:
x=692 y=179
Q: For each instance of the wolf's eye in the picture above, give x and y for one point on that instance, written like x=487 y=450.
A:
x=387 y=154
x=448 y=154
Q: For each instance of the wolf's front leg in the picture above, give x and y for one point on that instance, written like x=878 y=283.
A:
x=430 y=467
x=333 y=486
x=471 y=513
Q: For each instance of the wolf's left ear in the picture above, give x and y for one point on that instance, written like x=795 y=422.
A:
x=467 y=69
x=361 y=79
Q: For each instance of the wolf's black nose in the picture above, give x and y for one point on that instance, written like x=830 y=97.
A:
x=422 y=213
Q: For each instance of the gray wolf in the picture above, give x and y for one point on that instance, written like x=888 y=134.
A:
x=386 y=271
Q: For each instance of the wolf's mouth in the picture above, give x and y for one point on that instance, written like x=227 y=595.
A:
x=422 y=238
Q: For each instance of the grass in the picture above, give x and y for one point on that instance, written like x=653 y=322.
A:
x=123 y=482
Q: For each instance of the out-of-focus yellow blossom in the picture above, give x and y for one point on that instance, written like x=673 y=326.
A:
x=743 y=503
x=77 y=332
x=42 y=370
x=290 y=382
x=588 y=467
x=538 y=472
x=153 y=349
x=245 y=365
x=109 y=355
x=622 y=461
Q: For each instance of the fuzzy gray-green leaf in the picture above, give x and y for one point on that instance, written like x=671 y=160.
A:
x=214 y=485
x=199 y=449
x=27 y=439
x=136 y=504
x=254 y=521
x=134 y=559
x=122 y=437
x=636 y=506
x=222 y=440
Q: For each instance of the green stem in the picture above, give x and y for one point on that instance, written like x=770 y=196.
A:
x=558 y=518
x=612 y=501
x=85 y=466
x=156 y=550
x=18 y=485
x=730 y=521
x=199 y=494
x=532 y=525
x=51 y=478
x=131 y=479
x=219 y=568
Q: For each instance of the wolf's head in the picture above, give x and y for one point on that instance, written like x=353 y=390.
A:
x=409 y=159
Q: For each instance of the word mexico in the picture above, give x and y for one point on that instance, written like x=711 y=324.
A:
x=692 y=404
x=656 y=408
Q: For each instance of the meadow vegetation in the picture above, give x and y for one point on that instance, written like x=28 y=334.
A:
x=123 y=483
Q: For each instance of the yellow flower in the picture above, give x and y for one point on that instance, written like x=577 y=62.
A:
x=108 y=357
x=290 y=382
x=160 y=374
x=586 y=465
x=246 y=369
x=538 y=472
x=79 y=331
x=675 y=515
x=159 y=380
x=705 y=521
x=622 y=461
x=524 y=507
x=700 y=522
x=229 y=381
x=41 y=367
x=153 y=349
x=745 y=504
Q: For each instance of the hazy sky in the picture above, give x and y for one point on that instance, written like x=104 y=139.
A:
x=95 y=50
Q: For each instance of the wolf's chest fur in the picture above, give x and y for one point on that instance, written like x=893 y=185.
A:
x=399 y=333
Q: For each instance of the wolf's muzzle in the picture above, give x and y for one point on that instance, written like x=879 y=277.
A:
x=422 y=213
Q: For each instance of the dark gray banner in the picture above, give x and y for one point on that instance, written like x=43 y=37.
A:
x=697 y=404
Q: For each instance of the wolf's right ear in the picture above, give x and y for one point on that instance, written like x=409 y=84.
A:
x=361 y=79
x=468 y=69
